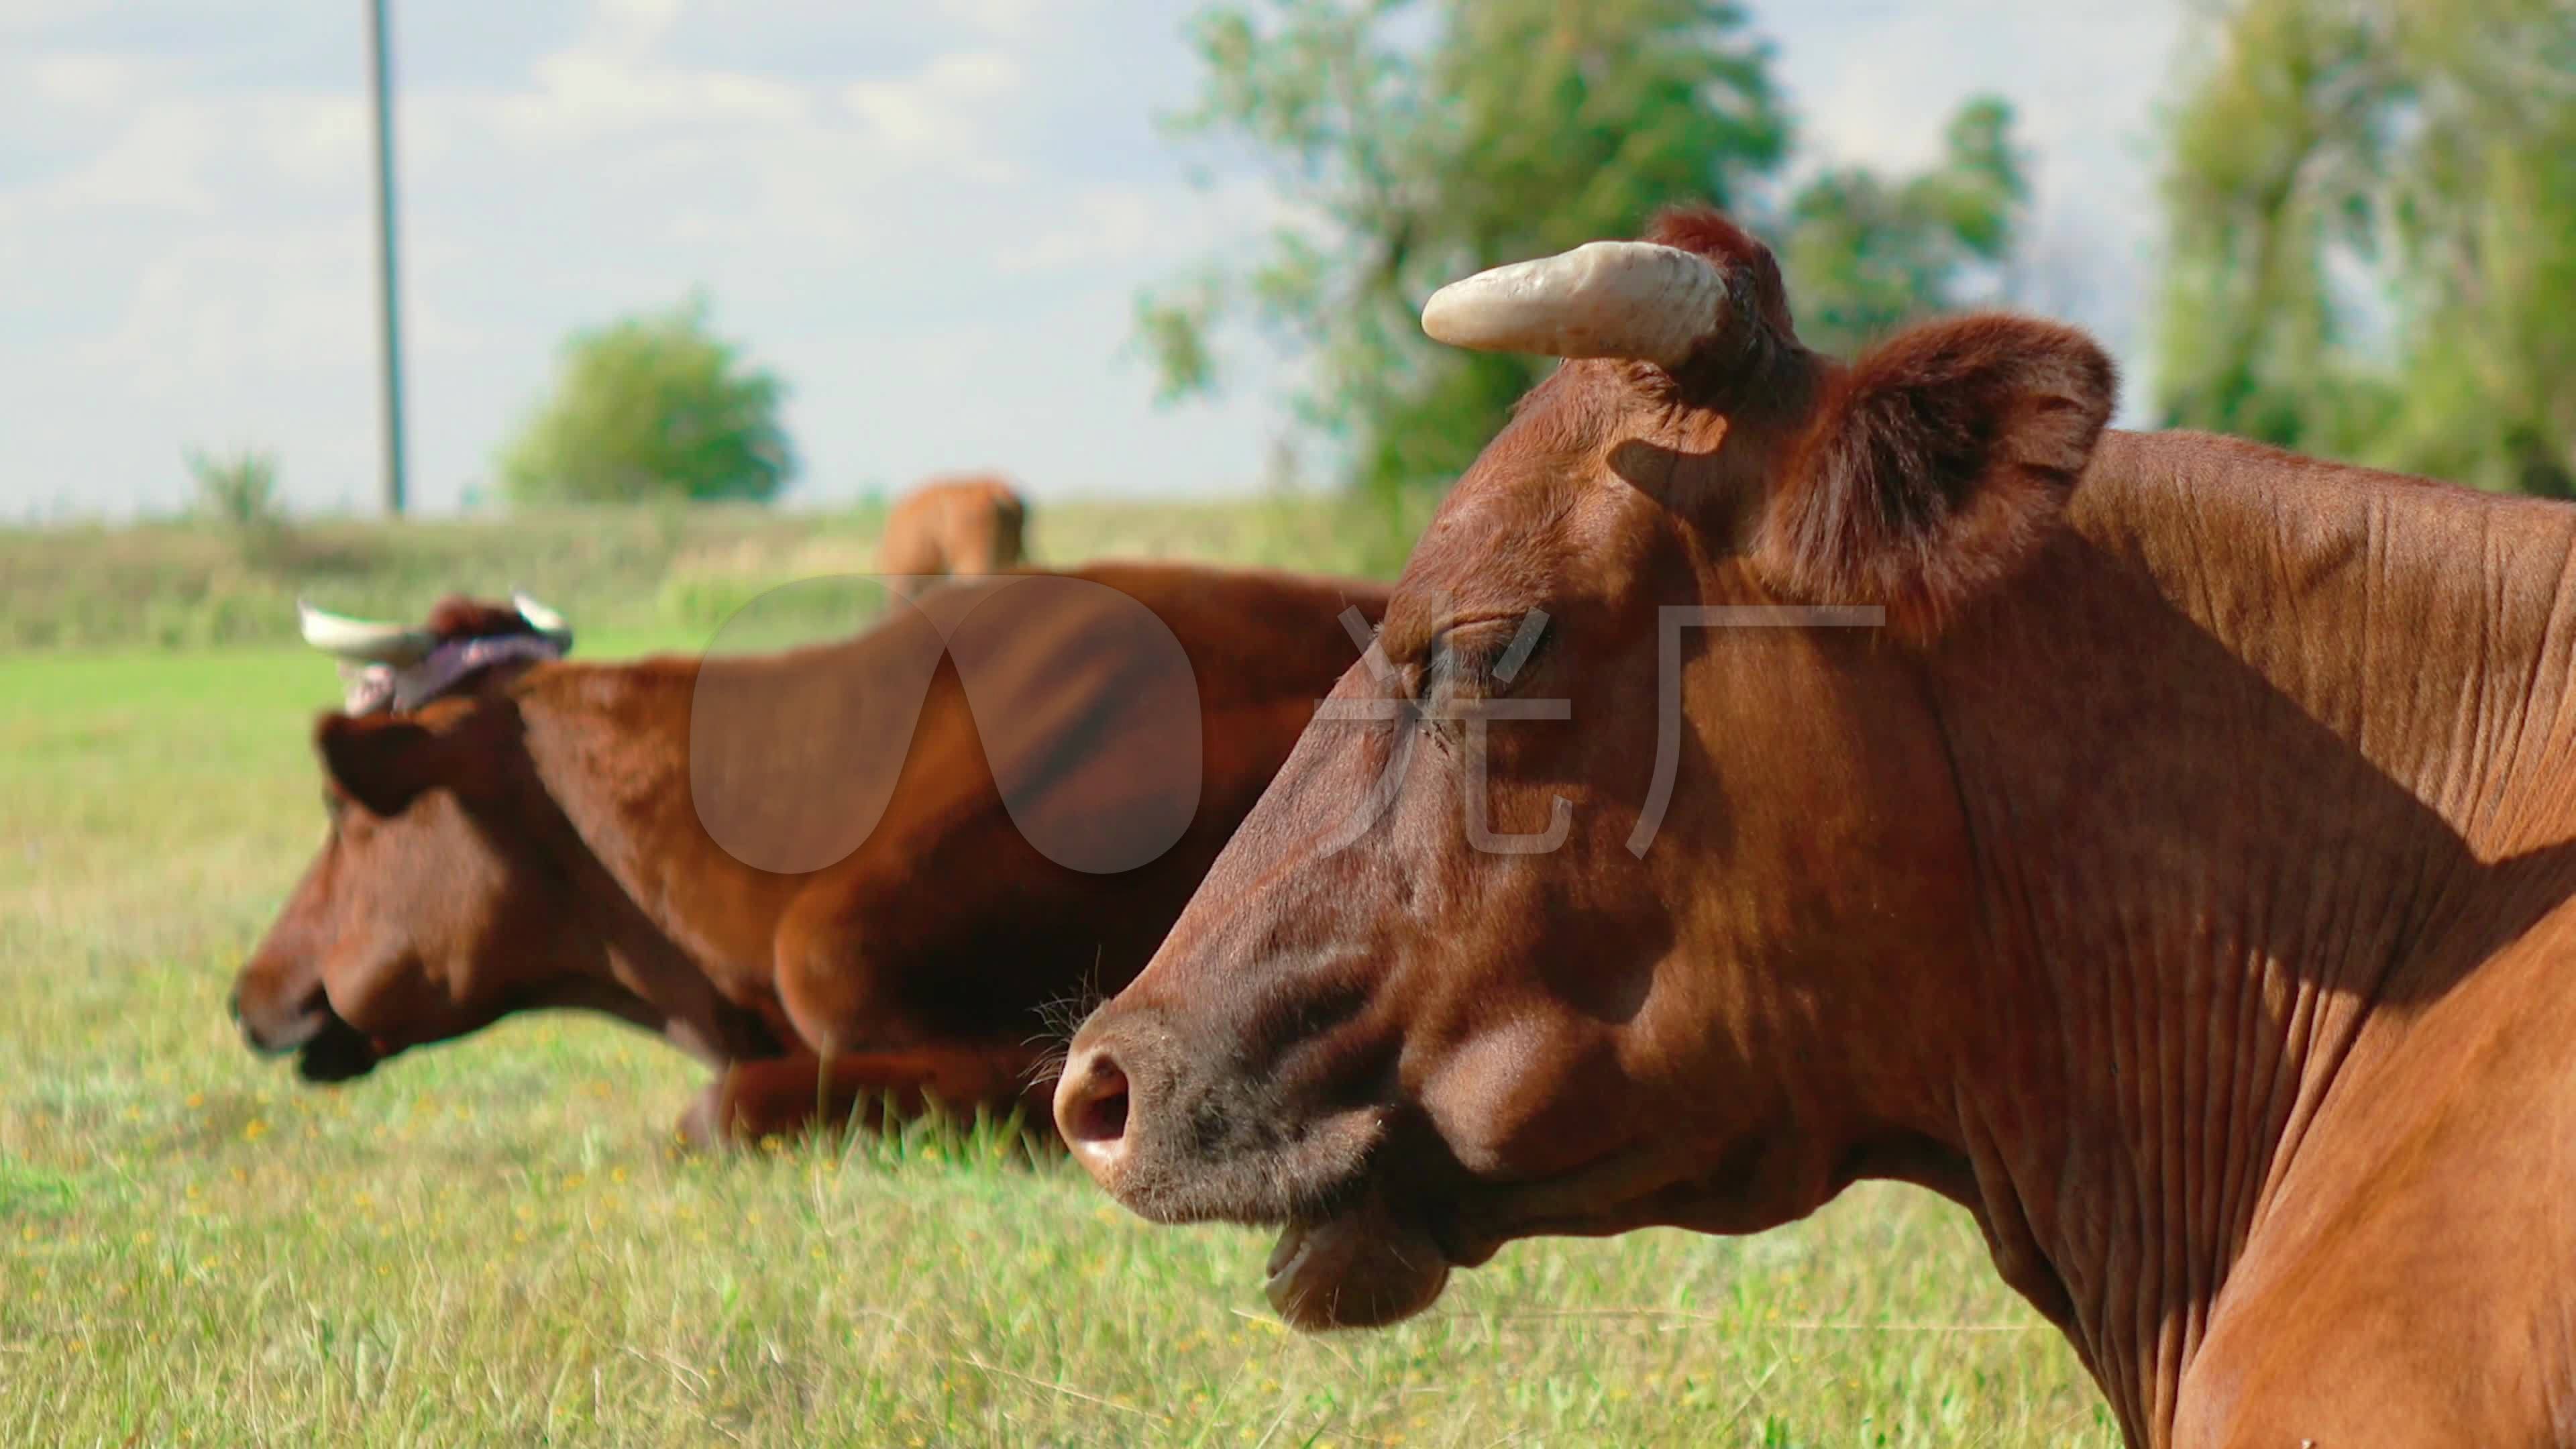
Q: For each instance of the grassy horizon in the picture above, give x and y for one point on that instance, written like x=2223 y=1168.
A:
x=183 y=584
x=492 y=1242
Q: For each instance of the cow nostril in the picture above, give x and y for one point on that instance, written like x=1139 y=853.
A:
x=1091 y=1110
x=1104 y=1117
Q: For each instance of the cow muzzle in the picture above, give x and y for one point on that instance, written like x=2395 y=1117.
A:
x=1177 y=1140
x=1184 y=1124
x=325 y=1046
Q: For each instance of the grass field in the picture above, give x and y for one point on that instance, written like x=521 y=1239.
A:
x=490 y=1242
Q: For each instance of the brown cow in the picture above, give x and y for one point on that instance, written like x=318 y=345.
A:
x=952 y=527
x=2179 y=879
x=892 y=853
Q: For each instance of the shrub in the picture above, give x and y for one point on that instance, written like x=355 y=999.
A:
x=239 y=490
x=652 y=407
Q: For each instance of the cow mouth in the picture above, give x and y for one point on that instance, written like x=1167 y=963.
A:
x=1372 y=1262
x=1362 y=1267
x=337 y=1052
x=325 y=1048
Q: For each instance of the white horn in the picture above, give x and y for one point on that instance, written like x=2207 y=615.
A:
x=542 y=619
x=347 y=638
x=1603 y=299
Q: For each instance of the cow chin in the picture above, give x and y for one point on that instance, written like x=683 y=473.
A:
x=1379 y=1255
x=1356 y=1247
x=1361 y=1268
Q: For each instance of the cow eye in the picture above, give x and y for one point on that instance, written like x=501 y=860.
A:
x=1486 y=655
x=1494 y=651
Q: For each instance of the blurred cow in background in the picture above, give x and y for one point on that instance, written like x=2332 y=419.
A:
x=850 y=874
x=952 y=527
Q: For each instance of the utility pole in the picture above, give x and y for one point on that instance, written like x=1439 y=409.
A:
x=388 y=305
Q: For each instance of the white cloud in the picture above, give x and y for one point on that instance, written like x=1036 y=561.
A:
x=582 y=95
x=36 y=17
x=1127 y=224
x=119 y=134
x=935 y=114
x=1104 y=223
x=1004 y=19
x=273 y=300
x=87 y=83
x=631 y=25
x=158 y=162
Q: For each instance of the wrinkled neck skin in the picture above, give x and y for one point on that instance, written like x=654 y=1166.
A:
x=607 y=748
x=2244 y=788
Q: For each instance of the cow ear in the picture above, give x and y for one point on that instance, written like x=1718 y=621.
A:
x=384 y=762
x=1934 y=466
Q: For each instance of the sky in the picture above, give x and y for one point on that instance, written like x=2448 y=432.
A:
x=930 y=218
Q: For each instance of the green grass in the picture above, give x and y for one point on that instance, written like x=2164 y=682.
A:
x=491 y=1243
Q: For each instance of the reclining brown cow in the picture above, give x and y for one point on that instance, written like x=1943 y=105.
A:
x=1788 y=772
x=891 y=853
x=952 y=528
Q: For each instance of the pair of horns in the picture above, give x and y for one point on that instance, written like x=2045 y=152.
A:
x=368 y=641
x=1637 y=300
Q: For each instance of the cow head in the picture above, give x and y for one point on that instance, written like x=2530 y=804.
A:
x=419 y=920
x=1578 y=906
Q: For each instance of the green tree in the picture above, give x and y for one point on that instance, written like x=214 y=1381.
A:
x=652 y=407
x=1521 y=127
x=2372 y=236
x=1416 y=141
x=1865 y=255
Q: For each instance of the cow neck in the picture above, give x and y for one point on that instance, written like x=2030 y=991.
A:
x=688 y=929
x=2253 y=754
